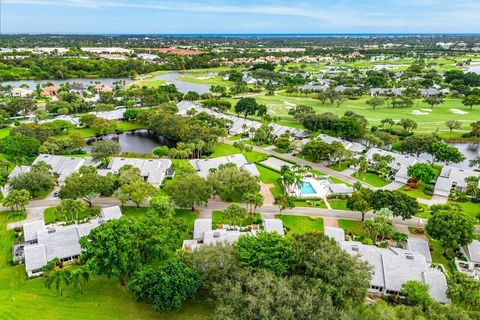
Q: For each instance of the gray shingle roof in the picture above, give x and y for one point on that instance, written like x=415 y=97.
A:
x=273 y=225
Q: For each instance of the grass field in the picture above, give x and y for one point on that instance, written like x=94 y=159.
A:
x=428 y=122
x=300 y=224
x=352 y=227
x=103 y=298
x=470 y=208
x=371 y=178
x=4 y=132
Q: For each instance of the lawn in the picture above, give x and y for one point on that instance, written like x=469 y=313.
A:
x=301 y=224
x=470 y=208
x=103 y=298
x=222 y=150
x=4 y=132
x=311 y=203
x=340 y=166
x=352 y=227
x=270 y=176
x=371 y=178
x=416 y=193
x=338 y=205
x=217 y=218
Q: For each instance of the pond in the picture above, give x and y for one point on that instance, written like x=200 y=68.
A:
x=137 y=141
x=183 y=86
x=32 y=84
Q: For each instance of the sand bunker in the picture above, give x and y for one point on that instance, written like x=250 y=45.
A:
x=419 y=113
x=288 y=104
x=457 y=111
x=427 y=110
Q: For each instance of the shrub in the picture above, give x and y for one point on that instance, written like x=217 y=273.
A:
x=407 y=188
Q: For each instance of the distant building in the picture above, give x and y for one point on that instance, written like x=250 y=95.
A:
x=154 y=171
x=21 y=93
x=50 y=91
x=103 y=88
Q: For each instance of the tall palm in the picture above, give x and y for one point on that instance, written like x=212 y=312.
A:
x=80 y=278
x=59 y=279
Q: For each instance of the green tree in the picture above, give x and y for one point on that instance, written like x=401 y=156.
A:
x=188 y=191
x=416 y=293
x=103 y=149
x=253 y=201
x=268 y=250
x=284 y=202
x=445 y=153
x=162 y=206
x=230 y=183
x=59 y=280
x=471 y=100
x=375 y=102
x=247 y=106
x=16 y=200
x=360 y=201
x=453 y=124
x=433 y=100
x=167 y=286
x=79 y=278
x=119 y=248
x=234 y=214
x=69 y=209
x=464 y=290
x=138 y=191
x=399 y=203
x=452 y=228
x=422 y=171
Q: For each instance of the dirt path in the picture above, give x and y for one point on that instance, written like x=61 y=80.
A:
x=330 y=222
x=267 y=195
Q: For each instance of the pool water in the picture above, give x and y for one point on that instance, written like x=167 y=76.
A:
x=307 y=188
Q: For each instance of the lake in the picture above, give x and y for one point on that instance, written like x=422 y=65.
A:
x=183 y=86
x=32 y=84
x=138 y=141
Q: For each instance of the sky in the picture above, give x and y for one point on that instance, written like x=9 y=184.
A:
x=239 y=16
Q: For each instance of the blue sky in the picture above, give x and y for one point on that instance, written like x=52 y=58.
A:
x=234 y=16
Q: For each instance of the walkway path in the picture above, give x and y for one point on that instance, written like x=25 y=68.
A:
x=267 y=195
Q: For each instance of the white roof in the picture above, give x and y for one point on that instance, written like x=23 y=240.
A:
x=473 y=251
x=18 y=170
x=273 y=225
x=392 y=267
x=452 y=176
x=203 y=166
x=337 y=234
x=212 y=237
x=111 y=213
x=60 y=164
x=35 y=257
x=30 y=229
x=116 y=114
x=59 y=242
x=154 y=170
x=200 y=227
x=420 y=246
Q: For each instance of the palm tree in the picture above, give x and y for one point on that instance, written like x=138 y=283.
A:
x=58 y=279
x=79 y=279
x=287 y=178
x=90 y=197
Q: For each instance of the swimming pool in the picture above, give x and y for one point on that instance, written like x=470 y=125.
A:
x=307 y=189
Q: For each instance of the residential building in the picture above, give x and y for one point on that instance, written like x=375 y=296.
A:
x=154 y=171
x=471 y=266
x=452 y=177
x=354 y=147
x=399 y=165
x=50 y=91
x=103 y=88
x=204 y=234
x=47 y=243
x=21 y=93
x=205 y=166
x=392 y=267
x=116 y=114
